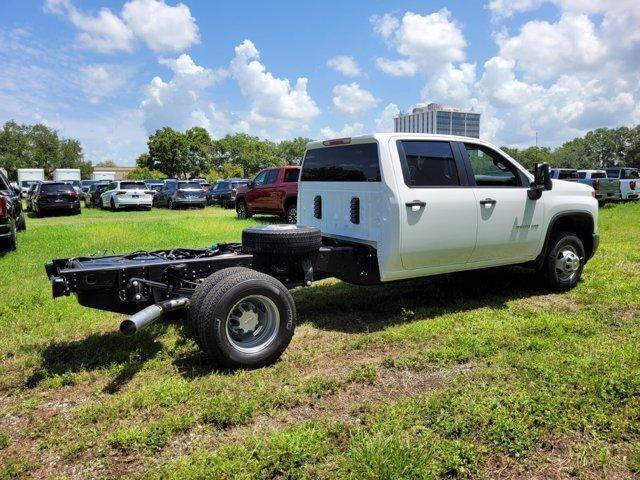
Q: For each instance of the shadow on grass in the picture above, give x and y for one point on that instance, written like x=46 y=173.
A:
x=339 y=306
x=111 y=351
x=353 y=309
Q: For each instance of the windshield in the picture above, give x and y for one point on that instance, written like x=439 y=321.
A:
x=189 y=185
x=349 y=163
x=56 y=188
x=132 y=185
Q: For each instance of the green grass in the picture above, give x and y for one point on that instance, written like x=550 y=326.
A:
x=457 y=376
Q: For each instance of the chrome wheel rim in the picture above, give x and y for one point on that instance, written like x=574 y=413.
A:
x=252 y=324
x=567 y=263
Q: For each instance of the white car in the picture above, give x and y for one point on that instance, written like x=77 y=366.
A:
x=127 y=193
x=629 y=181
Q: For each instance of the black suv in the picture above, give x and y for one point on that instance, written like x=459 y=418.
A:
x=56 y=197
x=11 y=214
x=224 y=192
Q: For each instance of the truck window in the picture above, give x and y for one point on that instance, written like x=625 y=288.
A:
x=630 y=174
x=347 y=163
x=564 y=174
x=428 y=164
x=598 y=175
x=291 y=175
x=272 y=177
x=490 y=169
x=582 y=175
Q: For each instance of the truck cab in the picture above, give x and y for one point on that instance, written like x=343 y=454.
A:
x=430 y=204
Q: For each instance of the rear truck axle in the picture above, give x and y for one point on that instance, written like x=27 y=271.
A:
x=149 y=315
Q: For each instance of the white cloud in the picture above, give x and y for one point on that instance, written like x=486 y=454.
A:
x=348 y=130
x=276 y=106
x=384 y=25
x=544 y=50
x=352 y=99
x=345 y=65
x=104 y=32
x=384 y=121
x=101 y=80
x=161 y=26
x=397 y=68
x=182 y=102
x=426 y=41
x=450 y=83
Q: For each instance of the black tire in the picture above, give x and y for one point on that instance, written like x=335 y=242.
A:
x=281 y=239
x=560 y=270
x=195 y=302
x=215 y=322
x=112 y=205
x=10 y=244
x=291 y=214
x=242 y=210
x=170 y=204
x=225 y=204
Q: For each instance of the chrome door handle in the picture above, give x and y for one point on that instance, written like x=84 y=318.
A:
x=488 y=201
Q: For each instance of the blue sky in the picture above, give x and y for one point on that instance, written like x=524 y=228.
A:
x=110 y=72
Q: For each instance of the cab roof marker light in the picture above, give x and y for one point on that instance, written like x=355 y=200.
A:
x=337 y=141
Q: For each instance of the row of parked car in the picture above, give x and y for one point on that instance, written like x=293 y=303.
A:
x=611 y=184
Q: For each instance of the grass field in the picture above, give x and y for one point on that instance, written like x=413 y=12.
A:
x=473 y=375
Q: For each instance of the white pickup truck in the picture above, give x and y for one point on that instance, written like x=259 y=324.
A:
x=629 y=181
x=375 y=208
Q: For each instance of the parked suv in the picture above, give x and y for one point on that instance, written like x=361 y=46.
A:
x=180 y=193
x=55 y=197
x=93 y=197
x=13 y=195
x=126 y=194
x=224 y=193
x=273 y=190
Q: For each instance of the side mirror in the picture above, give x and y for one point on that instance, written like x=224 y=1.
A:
x=250 y=184
x=541 y=182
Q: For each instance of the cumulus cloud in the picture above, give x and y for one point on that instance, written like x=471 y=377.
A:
x=161 y=26
x=426 y=41
x=384 y=121
x=104 y=32
x=353 y=99
x=345 y=65
x=182 y=102
x=397 y=68
x=98 y=81
x=276 y=105
x=348 y=130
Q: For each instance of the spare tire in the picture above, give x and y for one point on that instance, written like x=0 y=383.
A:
x=281 y=239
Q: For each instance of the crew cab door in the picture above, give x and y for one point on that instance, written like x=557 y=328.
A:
x=509 y=223
x=438 y=215
x=255 y=195
x=270 y=191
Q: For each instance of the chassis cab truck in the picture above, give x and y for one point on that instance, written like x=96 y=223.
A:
x=375 y=208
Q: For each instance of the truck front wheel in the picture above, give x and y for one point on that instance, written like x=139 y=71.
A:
x=246 y=319
x=564 y=262
x=241 y=209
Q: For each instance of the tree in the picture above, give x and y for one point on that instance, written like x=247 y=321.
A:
x=573 y=154
x=106 y=164
x=199 y=150
x=250 y=153
x=39 y=146
x=143 y=173
x=292 y=151
x=168 y=153
x=633 y=152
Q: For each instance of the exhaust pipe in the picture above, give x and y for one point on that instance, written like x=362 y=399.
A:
x=147 y=316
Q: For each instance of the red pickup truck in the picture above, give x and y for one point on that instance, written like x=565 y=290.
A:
x=273 y=190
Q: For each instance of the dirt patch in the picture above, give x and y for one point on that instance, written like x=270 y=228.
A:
x=563 y=458
x=555 y=301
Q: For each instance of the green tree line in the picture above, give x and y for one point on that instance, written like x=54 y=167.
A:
x=603 y=147
x=194 y=153
x=39 y=146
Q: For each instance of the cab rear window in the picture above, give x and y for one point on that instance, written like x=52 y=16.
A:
x=132 y=185
x=347 y=163
x=56 y=188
